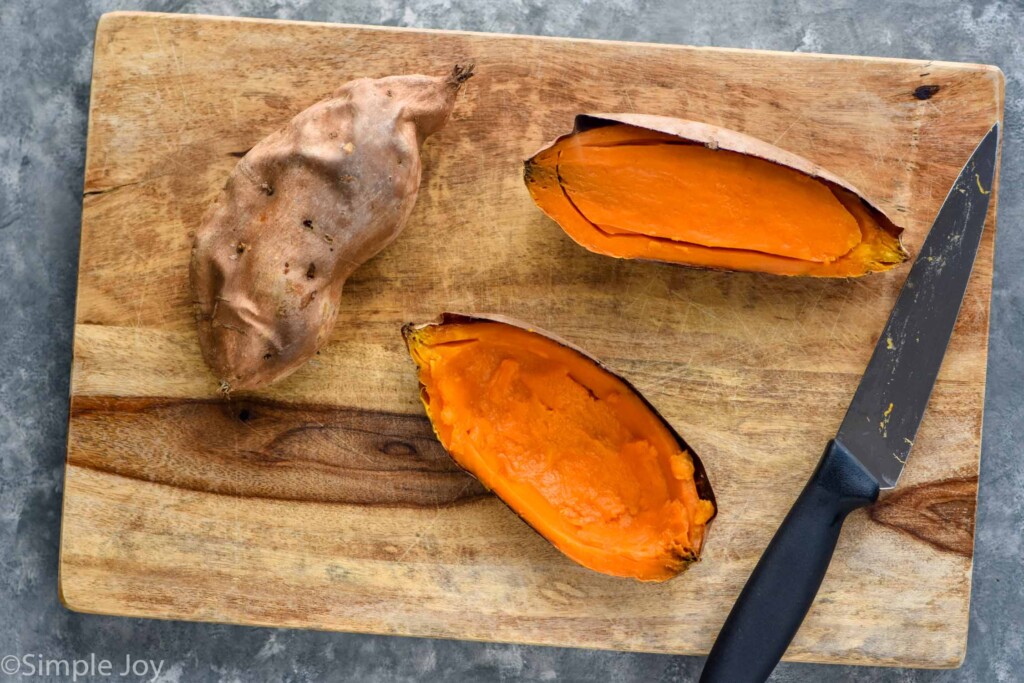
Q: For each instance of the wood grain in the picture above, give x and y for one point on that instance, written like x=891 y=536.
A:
x=324 y=502
x=939 y=513
x=257 y=449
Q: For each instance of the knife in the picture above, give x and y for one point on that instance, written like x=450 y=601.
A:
x=870 y=450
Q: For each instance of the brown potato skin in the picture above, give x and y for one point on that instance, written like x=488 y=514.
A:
x=303 y=209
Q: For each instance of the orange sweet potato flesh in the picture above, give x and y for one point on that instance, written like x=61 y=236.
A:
x=572 y=448
x=637 y=192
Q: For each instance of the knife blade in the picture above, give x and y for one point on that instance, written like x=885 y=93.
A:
x=882 y=420
x=874 y=440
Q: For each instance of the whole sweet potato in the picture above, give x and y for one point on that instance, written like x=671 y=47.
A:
x=303 y=209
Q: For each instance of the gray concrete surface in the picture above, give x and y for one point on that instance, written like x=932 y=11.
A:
x=45 y=58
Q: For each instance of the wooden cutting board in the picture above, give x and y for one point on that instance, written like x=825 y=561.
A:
x=325 y=502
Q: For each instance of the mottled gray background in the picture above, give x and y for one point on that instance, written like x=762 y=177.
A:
x=45 y=58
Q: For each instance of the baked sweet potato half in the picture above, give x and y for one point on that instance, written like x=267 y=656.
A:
x=572 y=448
x=664 y=189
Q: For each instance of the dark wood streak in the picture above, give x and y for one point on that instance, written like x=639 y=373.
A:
x=941 y=513
x=262 y=449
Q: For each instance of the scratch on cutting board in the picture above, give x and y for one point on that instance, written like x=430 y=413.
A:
x=905 y=193
x=629 y=99
x=703 y=96
x=640 y=303
x=934 y=106
x=431 y=524
x=839 y=315
x=180 y=121
x=784 y=133
x=807 y=318
x=181 y=80
x=139 y=305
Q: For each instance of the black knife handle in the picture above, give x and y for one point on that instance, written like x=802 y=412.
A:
x=778 y=594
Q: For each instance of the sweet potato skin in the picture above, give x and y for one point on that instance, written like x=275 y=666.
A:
x=303 y=209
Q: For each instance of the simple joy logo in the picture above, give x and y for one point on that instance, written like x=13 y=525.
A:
x=34 y=664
